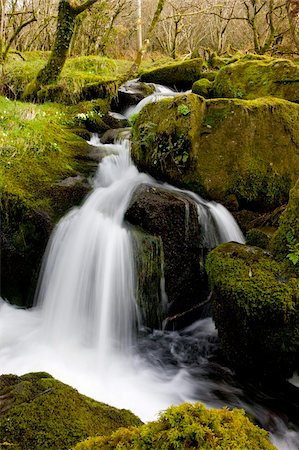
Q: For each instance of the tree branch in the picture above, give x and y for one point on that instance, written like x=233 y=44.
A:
x=79 y=9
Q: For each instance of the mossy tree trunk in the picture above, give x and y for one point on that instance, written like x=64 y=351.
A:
x=67 y=14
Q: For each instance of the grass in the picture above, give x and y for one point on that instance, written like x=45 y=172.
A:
x=37 y=148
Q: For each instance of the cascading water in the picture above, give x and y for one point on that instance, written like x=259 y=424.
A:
x=82 y=327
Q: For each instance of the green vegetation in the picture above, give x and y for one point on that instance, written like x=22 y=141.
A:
x=222 y=147
x=37 y=149
x=80 y=76
x=256 y=310
x=203 y=87
x=188 y=426
x=252 y=78
x=285 y=242
x=39 y=412
x=180 y=74
x=258 y=238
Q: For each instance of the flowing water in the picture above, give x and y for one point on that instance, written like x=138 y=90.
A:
x=85 y=328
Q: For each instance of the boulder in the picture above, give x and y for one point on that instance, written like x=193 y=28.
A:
x=180 y=74
x=172 y=217
x=256 y=310
x=249 y=79
x=203 y=87
x=221 y=148
x=110 y=136
x=116 y=120
x=39 y=412
x=131 y=93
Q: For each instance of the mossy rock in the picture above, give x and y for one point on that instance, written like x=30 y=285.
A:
x=221 y=147
x=256 y=310
x=188 y=426
x=181 y=74
x=202 y=87
x=249 y=79
x=285 y=242
x=259 y=237
x=39 y=412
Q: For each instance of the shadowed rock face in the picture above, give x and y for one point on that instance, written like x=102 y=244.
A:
x=173 y=217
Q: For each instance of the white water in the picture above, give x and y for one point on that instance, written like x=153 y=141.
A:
x=82 y=328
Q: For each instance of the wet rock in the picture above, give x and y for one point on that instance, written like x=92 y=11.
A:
x=116 y=120
x=130 y=94
x=173 y=217
x=110 y=136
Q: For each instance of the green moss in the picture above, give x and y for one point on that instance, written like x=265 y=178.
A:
x=80 y=78
x=244 y=148
x=180 y=74
x=202 y=87
x=166 y=144
x=248 y=79
x=148 y=252
x=256 y=310
x=43 y=413
x=288 y=224
x=188 y=426
x=258 y=238
x=37 y=149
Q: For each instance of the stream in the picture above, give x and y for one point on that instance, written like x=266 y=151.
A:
x=86 y=329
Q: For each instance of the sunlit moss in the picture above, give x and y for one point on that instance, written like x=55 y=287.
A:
x=43 y=413
x=188 y=426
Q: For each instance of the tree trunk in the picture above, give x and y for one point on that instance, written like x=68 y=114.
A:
x=293 y=16
x=65 y=28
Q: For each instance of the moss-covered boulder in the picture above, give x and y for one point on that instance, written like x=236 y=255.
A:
x=256 y=310
x=221 y=147
x=285 y=243
x=180 y=74
x=259 y=237
x=202 y=87
x=188 y=426
x=38 y=412
x=249 y=79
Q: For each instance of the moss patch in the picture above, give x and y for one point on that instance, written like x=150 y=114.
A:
x=256 y=310
x=39 y=412
x=286 y=241
x=180 y=74
x=248 y=79
x=81 y=78
x=187 y=426
x=202 y=87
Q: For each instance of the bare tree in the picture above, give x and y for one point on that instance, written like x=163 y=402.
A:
x=14 y=17
x=293 y=16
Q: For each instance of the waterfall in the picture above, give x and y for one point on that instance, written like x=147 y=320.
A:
x=81 y=329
